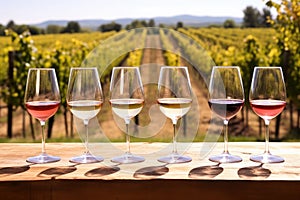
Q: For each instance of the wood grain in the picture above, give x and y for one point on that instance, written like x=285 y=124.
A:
x=150 y=179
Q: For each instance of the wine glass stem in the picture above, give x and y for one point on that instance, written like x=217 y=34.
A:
x=43 y=136
x=174 y=138
x=127 y=138
x=86 y=142
x=267 y=122
x=225 y=136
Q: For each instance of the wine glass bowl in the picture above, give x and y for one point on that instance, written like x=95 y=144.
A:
x=42 y=100
x=226 y=99
x=267 y=99
x=127 y=101
x=174 y=100
x=85 y=99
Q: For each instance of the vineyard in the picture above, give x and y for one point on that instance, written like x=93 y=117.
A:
x=197 y=48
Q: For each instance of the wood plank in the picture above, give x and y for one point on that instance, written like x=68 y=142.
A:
x=149 y=189
x=149 y=179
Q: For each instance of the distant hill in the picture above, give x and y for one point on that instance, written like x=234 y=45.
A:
x=189 y=20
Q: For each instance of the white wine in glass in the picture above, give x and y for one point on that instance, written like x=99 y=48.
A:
x=42 y=100
x=174 y=100
x=127 y=101
x=226 y=99
x=267 y=99
x=85 y=99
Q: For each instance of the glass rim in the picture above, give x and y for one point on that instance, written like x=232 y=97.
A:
x=46 y=69
x=126 y=67
x=267 y=67
x=183 y=67
x=234 y=67
x=81 y=68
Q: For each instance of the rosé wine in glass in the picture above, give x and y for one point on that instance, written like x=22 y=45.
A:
x=42 y=100
x=267 y=99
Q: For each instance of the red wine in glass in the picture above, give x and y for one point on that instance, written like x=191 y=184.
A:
x=226 y=99
x=226 y=108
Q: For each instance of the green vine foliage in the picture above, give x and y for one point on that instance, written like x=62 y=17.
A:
x=24 y=58
x=287 y=26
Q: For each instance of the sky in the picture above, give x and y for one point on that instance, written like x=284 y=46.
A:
x=36 y=11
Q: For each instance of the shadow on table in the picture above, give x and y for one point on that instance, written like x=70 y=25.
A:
x=6 y=171
x=256 y=172
x=151 y=172
x=57 y=171
x=102 y=171
x=210 y=171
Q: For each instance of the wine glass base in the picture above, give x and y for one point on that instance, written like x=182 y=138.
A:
x=43 y=158
x=86 y=158
x=225 y=158
x=266 y=158
x=175 y=158
x=128 y=158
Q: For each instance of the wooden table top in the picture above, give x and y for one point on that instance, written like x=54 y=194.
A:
x=14 y=169
x=13 y=156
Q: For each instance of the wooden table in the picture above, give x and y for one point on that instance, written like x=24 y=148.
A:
x=199 y=179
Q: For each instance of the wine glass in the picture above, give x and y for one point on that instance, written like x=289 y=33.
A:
x=127 y=100
x=85 y=99
x=226 y=99
x=267 y=99
x=175 y=100
x=42 y=100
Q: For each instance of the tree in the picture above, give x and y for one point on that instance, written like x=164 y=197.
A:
x=11 y=25
x=2 y=30
x=21 y=28
x=136 y=24
x=110 y=27
x=144 y=23
x=266 y=17
x=179 y=25
x=53 y=29
x=151 y=23
x=251 y=17
x=162 y=25
x=229 y=23
x=35 y=30
x=72 y=27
